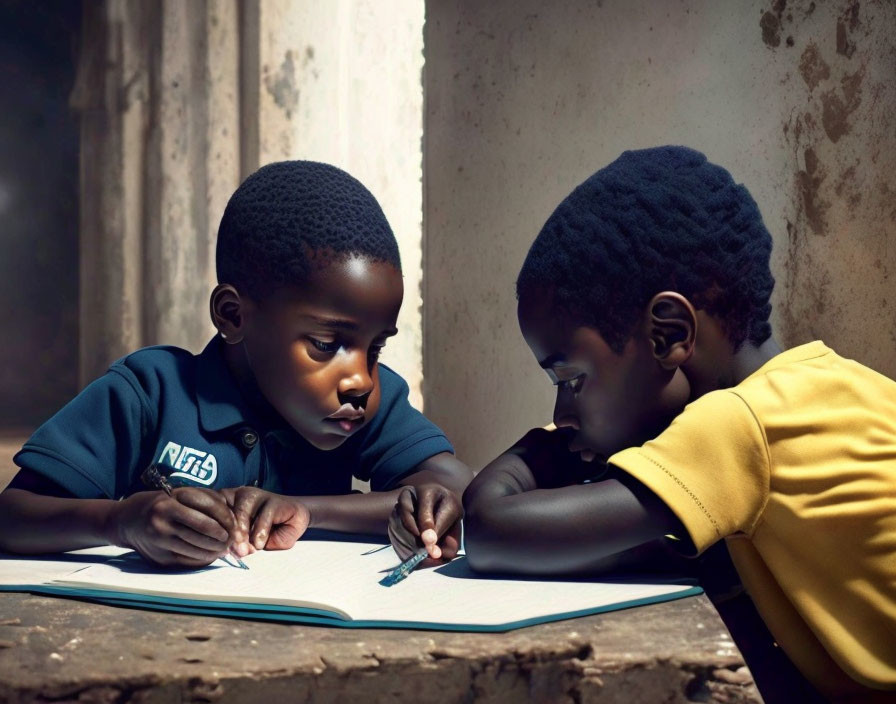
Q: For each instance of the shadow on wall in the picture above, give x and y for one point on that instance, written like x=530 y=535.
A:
x=38 y=209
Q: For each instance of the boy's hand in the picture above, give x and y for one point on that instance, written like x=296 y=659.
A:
x=426 y=516
x=191 y=528
x=546 y=453
x=267 y=521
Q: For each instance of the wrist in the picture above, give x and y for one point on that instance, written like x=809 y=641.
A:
x=111 y=526
x=316 y=511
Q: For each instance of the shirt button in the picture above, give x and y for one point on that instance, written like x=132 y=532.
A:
x=249 y=438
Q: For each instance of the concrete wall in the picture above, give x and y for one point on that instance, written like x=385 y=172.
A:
x=340 y=81
x=525 y=99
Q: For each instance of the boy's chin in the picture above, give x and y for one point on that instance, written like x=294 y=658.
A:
x=326 y=442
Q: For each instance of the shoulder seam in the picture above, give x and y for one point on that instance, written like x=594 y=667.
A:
x=148 y=411
x=768 y=459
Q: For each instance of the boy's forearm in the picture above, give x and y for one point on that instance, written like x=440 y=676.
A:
x=369 y=513
x=352 y=513
x=31 y=523
x=444 y=469
x=511 y=526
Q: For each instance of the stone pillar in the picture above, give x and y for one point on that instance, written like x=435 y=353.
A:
x=158 y=88
x=340 y=81
x=181 y=100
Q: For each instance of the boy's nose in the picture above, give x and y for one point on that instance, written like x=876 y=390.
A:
x=356 y=381
x=566 y=421
x=564 y=416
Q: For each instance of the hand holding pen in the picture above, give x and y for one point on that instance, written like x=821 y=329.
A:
x=190 y=527
x=424 y=527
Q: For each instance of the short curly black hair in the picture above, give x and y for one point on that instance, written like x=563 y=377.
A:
x=655 y=220
x=291 y=217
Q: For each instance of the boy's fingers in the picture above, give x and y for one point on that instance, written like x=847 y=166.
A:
x=185 y=551
x=435 y=552
x=448 y=511
x=261 y=526
x=283 y=537
x=197 y=538
x=425 y=505
x=450 y=543
x=407 y=510
x=402 y=540
x=211 y=505
x=245 y=505
x=186 y=521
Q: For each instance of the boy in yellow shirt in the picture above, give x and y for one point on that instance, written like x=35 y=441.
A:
x=645 y=298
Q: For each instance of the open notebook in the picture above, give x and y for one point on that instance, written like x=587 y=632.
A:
x=334 y=583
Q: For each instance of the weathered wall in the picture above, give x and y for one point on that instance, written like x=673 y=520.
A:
x=525 y=99
x=340 y=81
x=180 y=101
x=38 y=210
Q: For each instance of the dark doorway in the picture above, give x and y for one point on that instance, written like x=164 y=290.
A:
x=38 y=210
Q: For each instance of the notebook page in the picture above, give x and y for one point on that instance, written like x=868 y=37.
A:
x=454 y=594
x=16 y=570
x=344 y=577
x=313 y=574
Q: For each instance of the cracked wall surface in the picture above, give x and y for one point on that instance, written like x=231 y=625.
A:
x=836 y=253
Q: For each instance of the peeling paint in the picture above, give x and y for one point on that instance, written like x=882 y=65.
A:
x=813 y=68
x=282 y=85
x=840 y=136
x=810 y=180
x=771 y=29
x=771 y=24
x=837 y=108
x=846 y=24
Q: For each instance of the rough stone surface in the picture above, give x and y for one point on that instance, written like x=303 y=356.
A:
x=67 y=650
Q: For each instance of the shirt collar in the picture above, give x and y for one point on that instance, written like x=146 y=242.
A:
x=801 y=353
x=221 y=405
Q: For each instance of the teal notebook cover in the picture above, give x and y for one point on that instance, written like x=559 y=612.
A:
x=333 y=583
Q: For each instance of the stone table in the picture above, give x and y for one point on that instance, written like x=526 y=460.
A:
x=64 y=650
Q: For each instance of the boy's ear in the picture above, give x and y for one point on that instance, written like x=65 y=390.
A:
x=671 y=328
x=227 y=310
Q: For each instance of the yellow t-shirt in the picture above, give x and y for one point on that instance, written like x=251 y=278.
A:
x=796 y=466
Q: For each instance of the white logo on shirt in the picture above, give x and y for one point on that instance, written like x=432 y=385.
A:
x=192 y=464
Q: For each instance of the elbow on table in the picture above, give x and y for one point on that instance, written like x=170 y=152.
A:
x=483 y=549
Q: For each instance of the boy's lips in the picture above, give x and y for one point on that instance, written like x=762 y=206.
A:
x=586 y=453
x=348 y=417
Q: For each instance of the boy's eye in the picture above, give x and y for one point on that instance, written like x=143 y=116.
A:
x=329 y=347
x=574 y=384
x=374 y=352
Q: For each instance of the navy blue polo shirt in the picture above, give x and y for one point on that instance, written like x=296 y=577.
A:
x=164 y=404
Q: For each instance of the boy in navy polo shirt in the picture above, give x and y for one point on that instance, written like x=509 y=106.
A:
x=262 y=432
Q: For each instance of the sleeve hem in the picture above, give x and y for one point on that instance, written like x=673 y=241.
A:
x=43 y=461
x=702 y=527
x=404 y=458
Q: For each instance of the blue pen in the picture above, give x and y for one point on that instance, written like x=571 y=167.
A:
x=404 y=569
